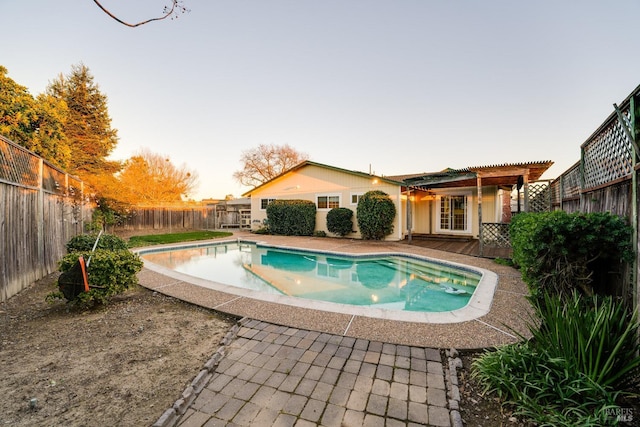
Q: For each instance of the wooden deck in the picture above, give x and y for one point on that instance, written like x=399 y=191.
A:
x=465 y=246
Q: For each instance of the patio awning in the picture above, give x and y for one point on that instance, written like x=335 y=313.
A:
x=504 y=174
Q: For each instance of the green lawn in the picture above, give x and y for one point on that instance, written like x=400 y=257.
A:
x=161 y=239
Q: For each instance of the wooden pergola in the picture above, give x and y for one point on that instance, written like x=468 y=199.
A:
x=504 y=175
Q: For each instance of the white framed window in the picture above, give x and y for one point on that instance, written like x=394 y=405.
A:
x=454 y=214
x=355 y=198
x=328 y=201
x=264 y=203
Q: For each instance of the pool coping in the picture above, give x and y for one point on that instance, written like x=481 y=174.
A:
x=479 y=304
x=503 y=321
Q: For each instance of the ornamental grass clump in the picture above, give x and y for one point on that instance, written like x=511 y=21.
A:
x=582 y=357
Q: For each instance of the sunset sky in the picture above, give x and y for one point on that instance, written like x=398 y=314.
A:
x=397 y=86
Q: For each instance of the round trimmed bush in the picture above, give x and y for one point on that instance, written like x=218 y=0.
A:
x=340 y=221
x=375 y=213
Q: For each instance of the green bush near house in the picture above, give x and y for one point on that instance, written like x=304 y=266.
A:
x=340 y=221
x=375 y=214
x=559 y=252
x=291 y=217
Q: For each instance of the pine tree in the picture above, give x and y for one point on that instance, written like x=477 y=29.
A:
x=88 y=125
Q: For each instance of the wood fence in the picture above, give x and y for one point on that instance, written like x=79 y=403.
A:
x=605 y=179
x=176 y=218
x=40 y=210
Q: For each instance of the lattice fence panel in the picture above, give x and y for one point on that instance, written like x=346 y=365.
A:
x=539 y=196
x=17 y=165
x=607 y=155
x=554 y=187
x=496 y=234
x=571 y=183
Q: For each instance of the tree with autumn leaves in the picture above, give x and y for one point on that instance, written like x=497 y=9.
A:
x=35 y=123
x=163 y=181
x=69 y=125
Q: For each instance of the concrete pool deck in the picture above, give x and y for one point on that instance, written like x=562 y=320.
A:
x=508 y=311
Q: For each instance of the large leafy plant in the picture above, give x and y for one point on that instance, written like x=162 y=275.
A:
x=561 y=252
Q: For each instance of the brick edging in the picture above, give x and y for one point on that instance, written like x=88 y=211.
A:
x=453 y=392
x=171 y=416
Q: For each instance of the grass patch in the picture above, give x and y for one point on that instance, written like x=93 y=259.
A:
x=162 y=239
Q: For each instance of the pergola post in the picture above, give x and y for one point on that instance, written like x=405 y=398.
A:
x=480 y=233
x=525 y=177
x=409 y=216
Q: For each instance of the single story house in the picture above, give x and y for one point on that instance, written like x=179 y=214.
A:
x=453 y=202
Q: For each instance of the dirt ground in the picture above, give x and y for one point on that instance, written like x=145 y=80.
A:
x=123 y=364
x=119 y=365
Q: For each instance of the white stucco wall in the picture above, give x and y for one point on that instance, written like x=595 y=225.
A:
x=311 y=181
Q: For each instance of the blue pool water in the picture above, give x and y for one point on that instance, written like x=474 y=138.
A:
x=389 y=282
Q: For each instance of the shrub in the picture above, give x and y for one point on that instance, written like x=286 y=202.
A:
x=85 y=242
x=542 y=388
x=262 y=230
x=292 y=217
x=110 y=272
x=595 y=336
x=375 y=214
x=582 y=355
x=560 y=252
x=340 y=221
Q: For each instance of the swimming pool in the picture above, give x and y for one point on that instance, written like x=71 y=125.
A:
x=378 y=285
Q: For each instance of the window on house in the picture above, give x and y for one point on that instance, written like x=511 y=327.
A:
x=265 y=202
x=453 y=213
x=328 y=202
x=355 y=198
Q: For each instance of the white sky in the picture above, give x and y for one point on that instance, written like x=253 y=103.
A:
x=396 y=86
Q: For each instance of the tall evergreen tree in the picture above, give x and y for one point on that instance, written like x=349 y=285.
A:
x=88 y=125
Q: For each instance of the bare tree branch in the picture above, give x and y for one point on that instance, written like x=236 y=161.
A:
x=176 y=8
